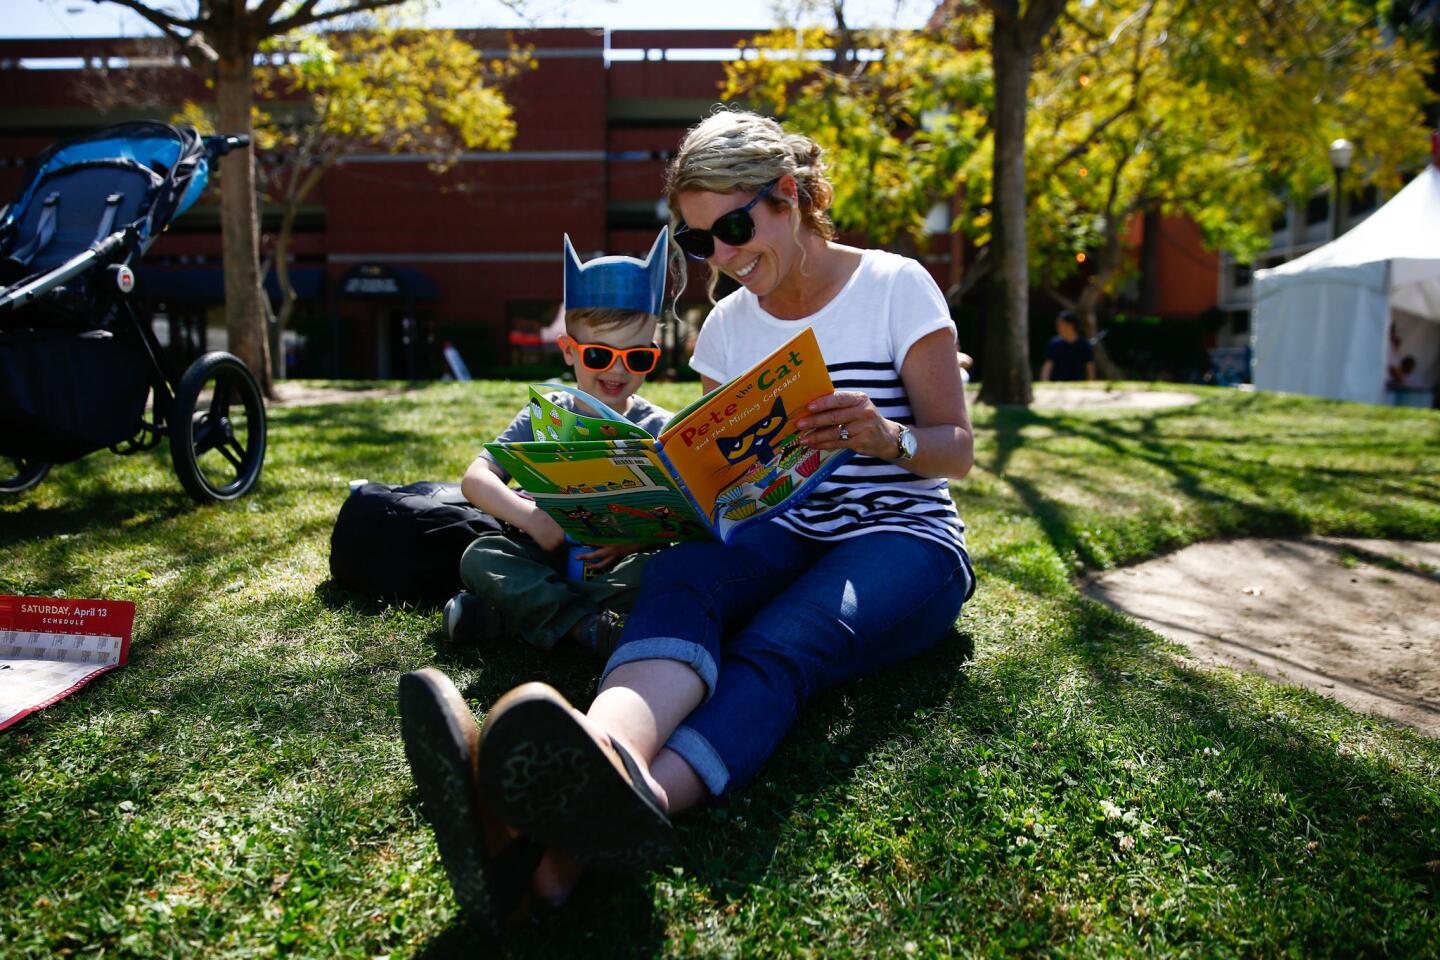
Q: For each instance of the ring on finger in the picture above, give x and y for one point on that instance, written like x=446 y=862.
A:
x=844 y=433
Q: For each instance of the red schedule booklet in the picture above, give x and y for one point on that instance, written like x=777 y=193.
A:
x=51 y=646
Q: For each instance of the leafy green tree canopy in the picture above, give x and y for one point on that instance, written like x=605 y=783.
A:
x=1217 y=112
x=897 y=112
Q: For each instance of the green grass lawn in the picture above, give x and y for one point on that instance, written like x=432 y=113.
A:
x=1052 y=780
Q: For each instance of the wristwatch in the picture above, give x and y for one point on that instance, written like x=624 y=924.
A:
x=905 y=443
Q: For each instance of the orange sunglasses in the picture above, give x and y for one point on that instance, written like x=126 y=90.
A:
x=599 y=357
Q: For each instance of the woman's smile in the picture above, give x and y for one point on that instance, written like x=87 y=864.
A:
x=745 y=271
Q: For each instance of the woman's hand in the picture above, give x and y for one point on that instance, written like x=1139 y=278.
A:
x=943 y=437
x=847 y=419
x=605 y=556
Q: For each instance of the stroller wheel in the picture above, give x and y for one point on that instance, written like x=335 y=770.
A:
x=26 y=474
x=217 y=429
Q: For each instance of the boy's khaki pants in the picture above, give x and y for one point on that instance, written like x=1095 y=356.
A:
x=529 y=595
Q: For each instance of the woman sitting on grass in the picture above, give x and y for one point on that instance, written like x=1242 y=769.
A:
x=727 y=642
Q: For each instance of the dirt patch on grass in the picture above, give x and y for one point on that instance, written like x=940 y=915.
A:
x=1101 y=398
x=292 y=394
x=1357 y=620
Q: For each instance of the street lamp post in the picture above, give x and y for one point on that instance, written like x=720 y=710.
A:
x=1342 y=151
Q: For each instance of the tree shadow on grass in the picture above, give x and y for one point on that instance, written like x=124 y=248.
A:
x=104 y=488
x=79 y=512
x=1059 y=522
x=243 y=740
x=615 y=915
x=1356 y=834
x=1248 y=495
x=339 y=598
x=1366 y=830
x=188 y=553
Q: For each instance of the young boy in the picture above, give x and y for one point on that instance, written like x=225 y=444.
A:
x=519 y=586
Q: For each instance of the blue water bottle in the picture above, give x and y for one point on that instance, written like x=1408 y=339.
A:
x=575 y=568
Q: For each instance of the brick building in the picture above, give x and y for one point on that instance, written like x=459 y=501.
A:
x=391 y=259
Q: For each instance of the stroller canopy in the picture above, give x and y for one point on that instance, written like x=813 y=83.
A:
x=157 y=170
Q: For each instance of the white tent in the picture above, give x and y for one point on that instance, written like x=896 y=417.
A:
x=1322 y=323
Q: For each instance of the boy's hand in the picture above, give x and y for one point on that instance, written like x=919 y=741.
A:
x=604 y=557
x=543 y=529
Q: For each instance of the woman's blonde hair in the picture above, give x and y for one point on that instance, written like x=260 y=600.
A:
x=735 y=150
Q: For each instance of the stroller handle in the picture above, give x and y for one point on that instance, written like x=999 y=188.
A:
x=221 y=144
x=102 y=251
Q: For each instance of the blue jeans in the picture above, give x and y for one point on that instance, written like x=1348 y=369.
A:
x=773 y=618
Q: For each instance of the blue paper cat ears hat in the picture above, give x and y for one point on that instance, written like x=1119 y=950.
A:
x=619 y=283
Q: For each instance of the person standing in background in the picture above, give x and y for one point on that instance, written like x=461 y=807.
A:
x=1068 y=356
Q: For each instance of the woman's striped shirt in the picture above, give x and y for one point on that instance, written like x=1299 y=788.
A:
x=887 y=305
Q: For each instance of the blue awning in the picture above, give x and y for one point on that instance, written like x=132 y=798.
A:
x=382 y=281
x=207 y=284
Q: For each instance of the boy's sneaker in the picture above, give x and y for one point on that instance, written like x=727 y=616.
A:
x=599 y=632
x=465 y=617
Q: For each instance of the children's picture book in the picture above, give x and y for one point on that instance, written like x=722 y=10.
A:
x=50 y=647
x=731 y=458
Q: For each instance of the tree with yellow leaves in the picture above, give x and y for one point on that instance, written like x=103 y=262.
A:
x=883 y=104
x=1217 y=112
x=388 y=89
x=221 y=40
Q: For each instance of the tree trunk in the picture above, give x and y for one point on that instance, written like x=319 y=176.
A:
x=296 y=195
x=244 y=309
x=1086 y=309
x=282 y=319
x=1007 y=377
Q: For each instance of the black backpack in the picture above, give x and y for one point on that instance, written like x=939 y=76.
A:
x=403 y=544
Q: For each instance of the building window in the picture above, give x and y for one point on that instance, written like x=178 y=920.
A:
x=1317 y=210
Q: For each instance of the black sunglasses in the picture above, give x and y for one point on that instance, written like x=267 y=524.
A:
x=733 y=229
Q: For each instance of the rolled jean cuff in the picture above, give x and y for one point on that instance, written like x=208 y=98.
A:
x=702 y=758
x=693 y=655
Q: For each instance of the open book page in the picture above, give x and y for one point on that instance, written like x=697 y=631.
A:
x=603 y=491
x=552 y=422
x=739 y=451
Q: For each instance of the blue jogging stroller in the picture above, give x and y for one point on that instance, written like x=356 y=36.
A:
x=80 y=370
